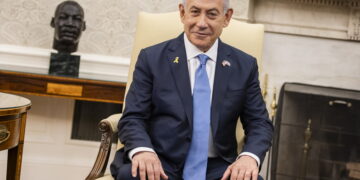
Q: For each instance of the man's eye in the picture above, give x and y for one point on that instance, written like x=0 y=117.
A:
x=212 y=14
x=62 y=16
x=194 y=11
x=78 y=18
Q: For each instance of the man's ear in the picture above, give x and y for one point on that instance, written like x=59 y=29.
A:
x=83 y=26
x=52 y=23
x=228 y=16
x=182 y=12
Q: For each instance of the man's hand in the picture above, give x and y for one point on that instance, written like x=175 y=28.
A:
x=245 y=168
x=149 y=166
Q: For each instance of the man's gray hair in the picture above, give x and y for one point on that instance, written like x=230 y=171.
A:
x=226 y=4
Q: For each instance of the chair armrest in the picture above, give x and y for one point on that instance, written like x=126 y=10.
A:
x=107 y=127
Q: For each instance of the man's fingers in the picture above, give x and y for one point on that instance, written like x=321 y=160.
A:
x=162 y=173
x=234 y=174
x=226 y=174
x=157 y=171
x=255 y=174
x=150 y=171
x=148 y=165
x=134 y=168
x=240 y=174
x=247 y=175
x=142 y=170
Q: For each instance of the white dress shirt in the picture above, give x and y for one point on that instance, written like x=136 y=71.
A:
x=193 y=63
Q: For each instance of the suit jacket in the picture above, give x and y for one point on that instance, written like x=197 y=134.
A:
x=159 y=106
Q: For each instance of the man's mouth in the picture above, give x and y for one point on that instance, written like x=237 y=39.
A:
x=201 y=34
x=69 y=34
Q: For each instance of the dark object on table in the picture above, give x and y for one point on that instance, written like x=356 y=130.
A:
x=68 y=23
x=64 y=64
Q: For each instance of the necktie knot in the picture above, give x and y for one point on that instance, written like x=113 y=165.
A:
x=203 y=58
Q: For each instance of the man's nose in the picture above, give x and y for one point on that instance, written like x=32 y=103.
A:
x=202 y=21
x=69 y=21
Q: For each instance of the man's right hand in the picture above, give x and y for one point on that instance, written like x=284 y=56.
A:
x=149 y=166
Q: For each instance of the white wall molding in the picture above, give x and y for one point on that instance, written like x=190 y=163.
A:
x=37 y=60
x=243 y=10
x=354 y=24
x=317 y=18
x=350 y=3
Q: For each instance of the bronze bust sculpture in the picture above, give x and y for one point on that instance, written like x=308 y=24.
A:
x=68 y=23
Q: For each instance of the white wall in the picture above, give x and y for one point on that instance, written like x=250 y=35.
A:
x=110 y=23
x=326 y=62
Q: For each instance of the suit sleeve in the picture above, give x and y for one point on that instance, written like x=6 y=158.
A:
x=133 y=124
x=255 y=119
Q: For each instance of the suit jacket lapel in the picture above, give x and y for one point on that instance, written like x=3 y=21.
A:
x=221 y=80
x=178 y=64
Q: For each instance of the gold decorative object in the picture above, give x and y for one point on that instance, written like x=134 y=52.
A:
x=176 y=60
x=4 y=134
x=264 y=88
x=273 y=105
x=307 y=135
x=341 y=102
x=307 y=138
x=64 y=89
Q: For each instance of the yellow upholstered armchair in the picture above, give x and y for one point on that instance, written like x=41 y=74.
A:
x=153 y=29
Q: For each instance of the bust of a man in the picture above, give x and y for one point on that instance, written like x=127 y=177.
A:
x=69 y=24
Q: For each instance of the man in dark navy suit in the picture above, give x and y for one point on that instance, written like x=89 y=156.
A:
x=184 y=102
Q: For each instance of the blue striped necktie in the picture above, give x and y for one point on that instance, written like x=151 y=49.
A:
x=196 y=160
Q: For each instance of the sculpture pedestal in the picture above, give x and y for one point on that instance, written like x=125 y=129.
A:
x=64 y=64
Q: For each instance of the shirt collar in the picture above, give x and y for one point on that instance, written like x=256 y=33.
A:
x=192 y=51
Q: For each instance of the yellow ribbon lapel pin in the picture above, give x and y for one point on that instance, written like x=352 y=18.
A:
x=176 y=60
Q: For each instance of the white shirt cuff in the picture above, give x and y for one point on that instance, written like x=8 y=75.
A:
x=251 y=155
x=139 y=149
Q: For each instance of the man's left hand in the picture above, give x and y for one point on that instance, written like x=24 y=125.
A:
x=245 y=168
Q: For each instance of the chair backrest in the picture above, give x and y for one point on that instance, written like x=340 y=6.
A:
x=155 y=28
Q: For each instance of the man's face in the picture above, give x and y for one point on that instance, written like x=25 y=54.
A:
x=68 y=24
x=203 y=21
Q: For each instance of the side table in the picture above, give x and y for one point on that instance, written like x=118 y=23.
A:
x=13 y=111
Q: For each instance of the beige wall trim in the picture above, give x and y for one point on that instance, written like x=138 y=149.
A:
x=330 y=2
x=354 y=25
x=335 y=19
x=37 y=60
